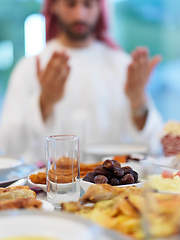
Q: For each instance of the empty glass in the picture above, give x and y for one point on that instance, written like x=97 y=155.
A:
x=62 y=169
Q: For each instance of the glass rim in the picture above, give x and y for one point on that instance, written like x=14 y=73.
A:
x=62 y=137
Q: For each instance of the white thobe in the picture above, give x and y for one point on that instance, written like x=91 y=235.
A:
x=94 y=105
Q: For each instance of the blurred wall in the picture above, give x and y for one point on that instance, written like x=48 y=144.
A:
x=155 y=24
x=12 y=17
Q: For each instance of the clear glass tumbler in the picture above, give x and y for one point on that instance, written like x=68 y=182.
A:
x=62 y=169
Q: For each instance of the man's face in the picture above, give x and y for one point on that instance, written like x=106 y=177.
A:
x=77 y=18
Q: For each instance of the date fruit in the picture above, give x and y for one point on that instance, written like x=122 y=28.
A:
x=127 y=169
x=108 y=165
x=135 y=175
x=89 y=177
x=118 y=172
x=100 y=179
x=127 y=179
x=116 y=164
x=114 y=182
x=99 y=170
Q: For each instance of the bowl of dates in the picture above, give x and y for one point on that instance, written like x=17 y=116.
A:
x=111 y=172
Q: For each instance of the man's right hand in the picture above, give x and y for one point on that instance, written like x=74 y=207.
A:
x=52 y=81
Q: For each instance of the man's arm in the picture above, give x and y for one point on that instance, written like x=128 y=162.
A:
x=137 y=78
x=139 y=115
x=52 y=81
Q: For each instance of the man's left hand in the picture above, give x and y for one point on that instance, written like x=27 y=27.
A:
x=138 y=74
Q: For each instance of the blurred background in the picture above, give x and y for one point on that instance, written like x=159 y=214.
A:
x=151 y=23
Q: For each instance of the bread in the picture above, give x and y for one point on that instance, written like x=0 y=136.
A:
x=12 y=193
x=20 y=203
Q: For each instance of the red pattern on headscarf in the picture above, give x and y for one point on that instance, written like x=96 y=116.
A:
x=102 y=27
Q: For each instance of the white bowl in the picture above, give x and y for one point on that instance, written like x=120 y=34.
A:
x=42 y=186
x=85 y=185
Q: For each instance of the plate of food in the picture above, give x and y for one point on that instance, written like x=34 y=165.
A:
x=135 y=161
x=39 y=225
x=113 y=173
x=22 y=197
x=38 y=179
x=166 y=182
x=121 y=209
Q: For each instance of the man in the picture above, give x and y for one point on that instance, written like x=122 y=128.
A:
x=81 y=83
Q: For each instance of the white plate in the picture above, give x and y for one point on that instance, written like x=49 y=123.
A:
x=22 y=171
x=46 y=206
x=7 y=164
x=102 y=150
x=85 y=185
x=57 y=226
x=42 y=186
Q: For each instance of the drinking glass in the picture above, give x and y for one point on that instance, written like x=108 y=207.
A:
x=161 y=213
x=62 y=169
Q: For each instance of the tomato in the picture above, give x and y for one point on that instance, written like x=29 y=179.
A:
x=167 y=174
x=178 y=173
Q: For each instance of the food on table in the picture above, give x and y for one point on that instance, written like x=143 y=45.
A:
x=99 y=170
x=85 y=168
x=111 y=172
x=120 y=209
x=177 y=174
x=20 y=203
x=11 y=193
x=60 y=172
x=167 y=174
x=109 y=165
x=90 y=177
x=167 y=181
x=171 y=138
x=18 y=197
x=100 y=179
x=61 y=176
x=99 y=192
x=114 y=208
x=39 y=178
x=162 y=215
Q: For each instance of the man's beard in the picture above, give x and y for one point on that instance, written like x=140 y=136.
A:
x=77 y=36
